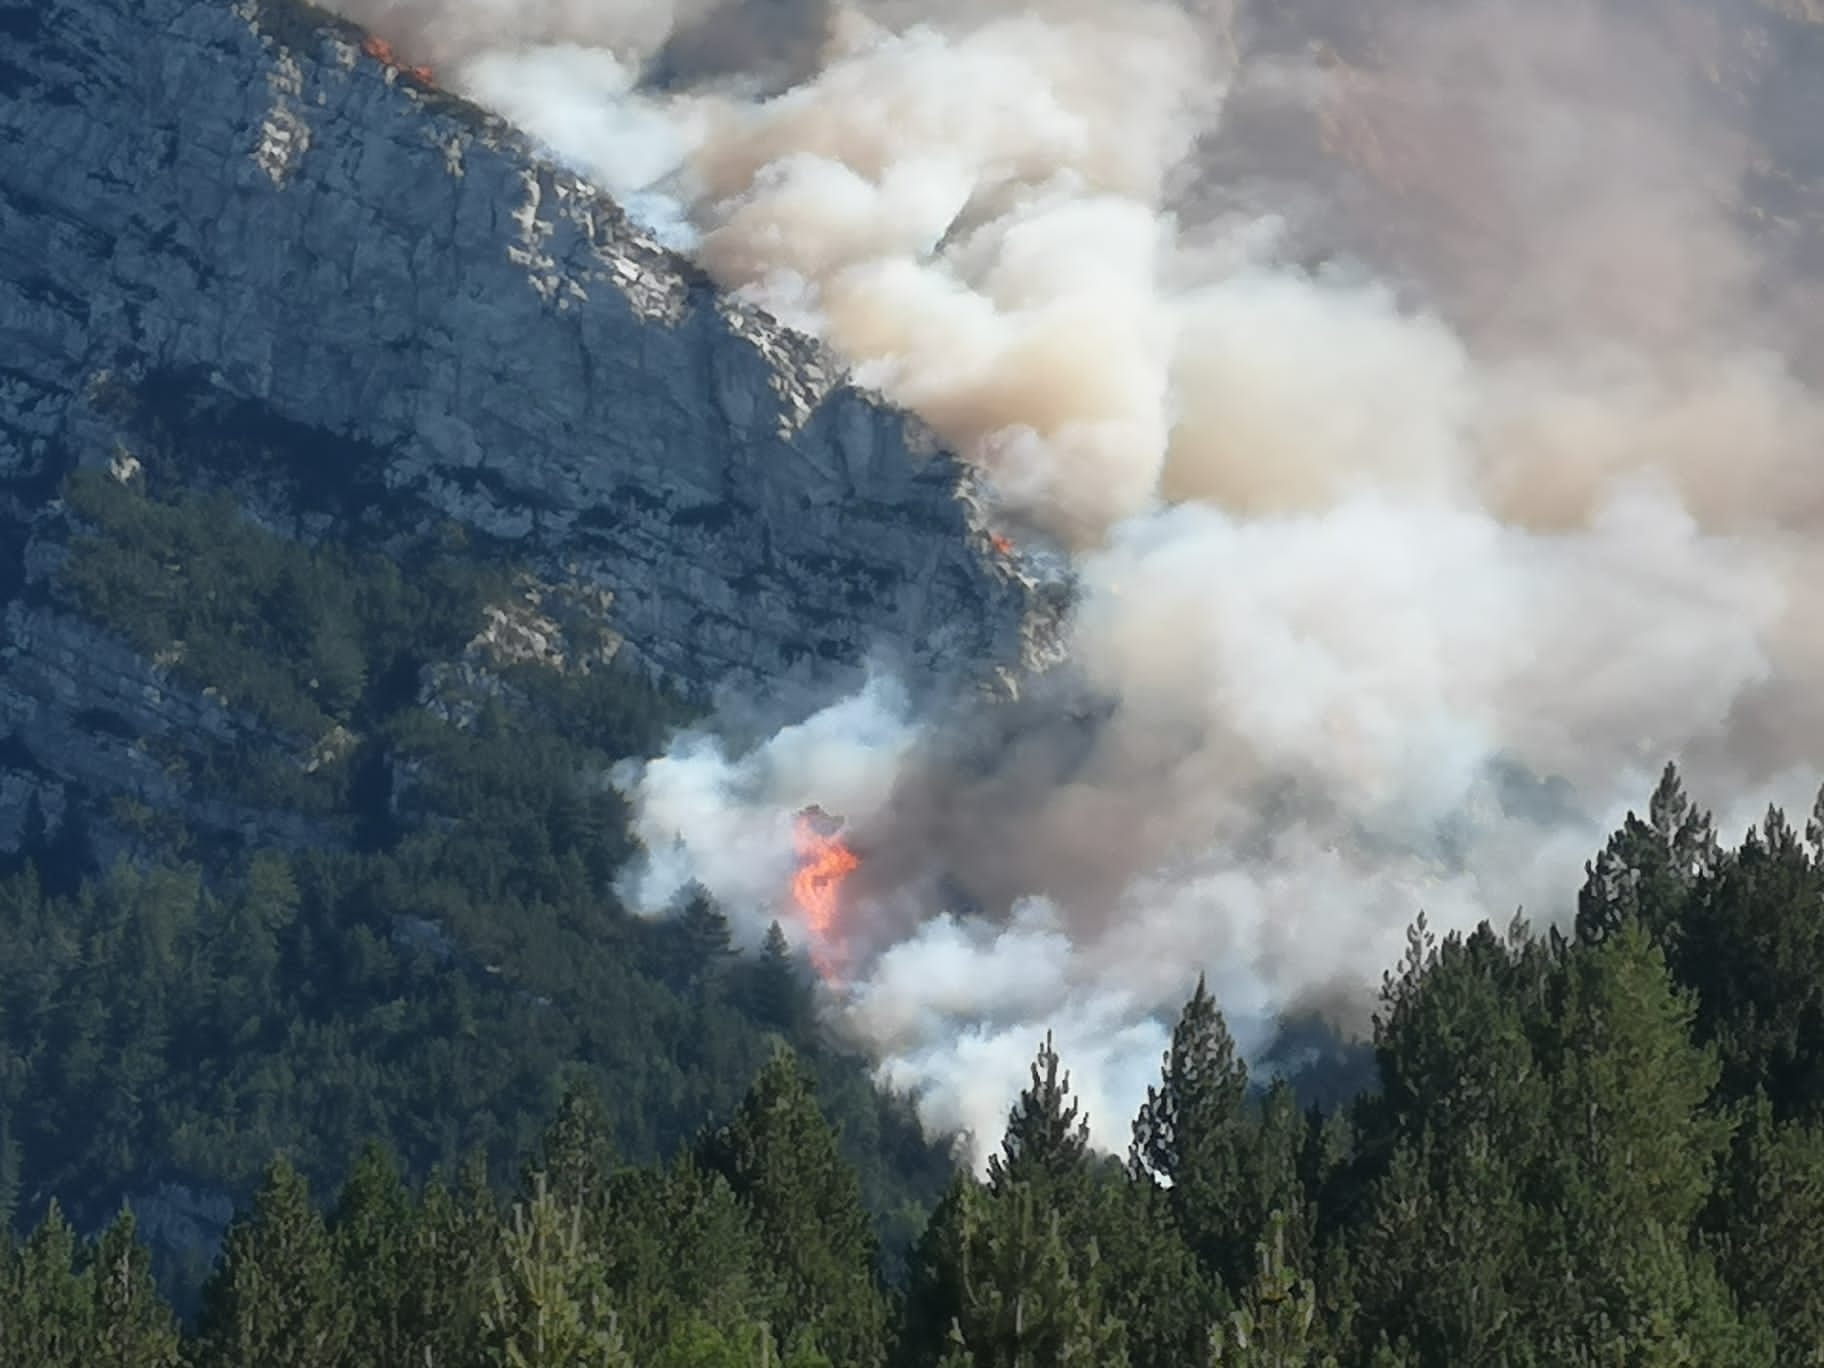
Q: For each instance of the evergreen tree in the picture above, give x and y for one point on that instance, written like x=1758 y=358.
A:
x=776 y=992
x=1276 y=1324
x=1153 y=1283
x=1436 y=1254
x=1021 y=1305
x=1769 y=1215
x=275 y=1298
x=449 y=1269
x=372 y=1234
x=548 y=1307
x=1435 y=1202
x=1224 y=1161
x=47 y=1319
x=133 y=1326
x=683 y=1252
x=1047 y=1141
x=698 y=946
x=780 y=1157
x=1201 y=1099
x=934 y=1293
x=576 y=1156
x=1647 y=870
x=1753 y=949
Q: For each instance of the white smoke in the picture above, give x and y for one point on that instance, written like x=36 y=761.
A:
x=1519 y=481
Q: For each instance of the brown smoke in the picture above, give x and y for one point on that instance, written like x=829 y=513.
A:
x=1422 y=392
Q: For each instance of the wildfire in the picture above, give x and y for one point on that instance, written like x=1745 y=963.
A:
x=824 y=862
x=382 y=51
x=1002 y=544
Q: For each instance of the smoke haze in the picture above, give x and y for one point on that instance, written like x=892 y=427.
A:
x=1409 y=385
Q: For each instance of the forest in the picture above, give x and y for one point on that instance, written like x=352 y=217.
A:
x=469 y=1111
x=1600 y=1147
x=436 y=973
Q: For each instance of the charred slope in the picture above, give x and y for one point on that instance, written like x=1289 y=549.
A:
x=237 y=253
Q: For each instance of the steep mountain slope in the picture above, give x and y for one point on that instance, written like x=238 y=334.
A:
x=239 y=253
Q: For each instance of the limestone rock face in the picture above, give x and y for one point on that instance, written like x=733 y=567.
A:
x=237 y=252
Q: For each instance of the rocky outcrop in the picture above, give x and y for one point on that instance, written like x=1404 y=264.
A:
x=236 y=251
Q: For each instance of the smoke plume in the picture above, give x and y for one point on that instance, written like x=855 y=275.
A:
x=1409 y=385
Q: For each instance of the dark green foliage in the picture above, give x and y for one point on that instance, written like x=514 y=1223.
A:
x=575 y=1157
x=277 y=1297
x=133 y=1327
x=448 y=1269
x=1151 y=1280
x=439 y=984
x=1647 y=870
x=47 y=1313
x=1769 y=1218
x=372 y=1231
x=548 y=1299
x=1752 y=946
x=1199 y=1134
x=1546 y=1207
x=1276 y=1325
x=1047 y=1141
x=683 y=1259
x=1596 y=1151
x=1022 y=1304
x=816 y=1244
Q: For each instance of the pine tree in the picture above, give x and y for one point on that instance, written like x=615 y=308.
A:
x=780 y=1157
x=1438 y=1239
x=47 y=1317
x=1753 y=949
x=697 y=944
x=1200 y=1101
x=1438 y=1252
x=275 y=1298
x=1153 y=1282
x=682 y=1251
x=448 y=1269
x=1636 y=1144
x=1021 y=1305
x=576 y=1156
x=934 y=1294
x=1224 y=1161
x=777 y=995
x=1647 y=870
x=1275 y=1326
x=372 y=1235
x=548 y=1307
x=1769 y=1217
x=133 y=1326
x=1047 y=1141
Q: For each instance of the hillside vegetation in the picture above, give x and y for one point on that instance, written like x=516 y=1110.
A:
x=437 y=976
x=1601 y=1148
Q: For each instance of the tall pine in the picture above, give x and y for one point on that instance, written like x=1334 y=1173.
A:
x=276 y=1298
x=780 y=1157
x=132 y=1325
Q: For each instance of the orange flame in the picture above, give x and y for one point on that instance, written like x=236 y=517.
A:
x=1002 y=544
x=824 y=861
x=382 y=51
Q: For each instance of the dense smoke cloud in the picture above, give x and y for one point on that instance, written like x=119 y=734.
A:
x=1415 y=407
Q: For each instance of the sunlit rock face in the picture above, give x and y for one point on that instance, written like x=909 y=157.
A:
x=238 y=252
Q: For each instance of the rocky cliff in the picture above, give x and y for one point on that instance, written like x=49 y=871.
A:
x=240 y=253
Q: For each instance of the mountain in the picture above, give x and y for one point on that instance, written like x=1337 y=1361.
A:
x=241 y=255
x=369 y=487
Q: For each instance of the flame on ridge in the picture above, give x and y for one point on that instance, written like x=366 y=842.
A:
x=382 y=51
